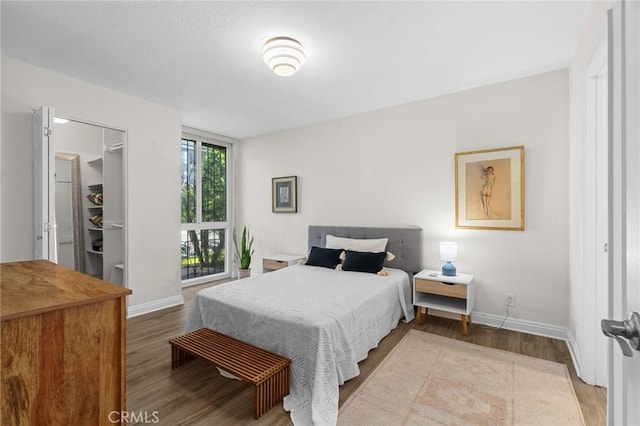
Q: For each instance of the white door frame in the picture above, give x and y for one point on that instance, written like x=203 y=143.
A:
x=593 y=345
x=44 y=177
x=44 y=244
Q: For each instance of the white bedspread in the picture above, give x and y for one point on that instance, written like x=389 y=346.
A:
x=326 y=321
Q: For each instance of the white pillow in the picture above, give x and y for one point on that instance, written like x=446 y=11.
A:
x=372 y=245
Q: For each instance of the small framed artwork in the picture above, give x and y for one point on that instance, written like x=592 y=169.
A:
x=490 y=189
x=284 y=194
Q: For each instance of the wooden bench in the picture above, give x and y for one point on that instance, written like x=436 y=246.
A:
x=267 y=371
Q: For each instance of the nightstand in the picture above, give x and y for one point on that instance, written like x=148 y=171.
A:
x=279 y=261
x=456 y=294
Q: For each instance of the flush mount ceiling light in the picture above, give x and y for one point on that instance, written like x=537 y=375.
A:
x=284 y=55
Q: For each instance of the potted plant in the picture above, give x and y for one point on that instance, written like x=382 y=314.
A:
x=244 y=251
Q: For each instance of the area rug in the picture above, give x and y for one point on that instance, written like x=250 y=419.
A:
x=428 y=379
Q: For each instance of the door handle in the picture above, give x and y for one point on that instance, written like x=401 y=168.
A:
x=620 y=330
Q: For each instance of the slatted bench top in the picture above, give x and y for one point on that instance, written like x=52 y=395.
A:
x=248 y=362
x=268 y=372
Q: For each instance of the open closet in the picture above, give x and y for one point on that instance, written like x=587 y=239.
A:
x=82 y=197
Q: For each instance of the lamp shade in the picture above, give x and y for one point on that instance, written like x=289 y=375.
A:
x=284 y=55
x=448 y=251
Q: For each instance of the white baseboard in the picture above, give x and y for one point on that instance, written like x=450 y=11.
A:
x=537 y=328
x=156 y=305
x=574 y=351
x=524 y=326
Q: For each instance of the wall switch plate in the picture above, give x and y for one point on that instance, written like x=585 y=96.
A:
x=509 y=299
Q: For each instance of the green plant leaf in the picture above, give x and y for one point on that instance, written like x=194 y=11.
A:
x=244 y=250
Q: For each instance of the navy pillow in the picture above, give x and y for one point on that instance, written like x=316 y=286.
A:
x=327 y=258
x=363 y=262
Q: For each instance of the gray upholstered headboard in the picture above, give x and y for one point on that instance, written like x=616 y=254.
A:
x=405 y=242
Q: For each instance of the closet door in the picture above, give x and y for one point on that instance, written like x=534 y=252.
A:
x=44 y=187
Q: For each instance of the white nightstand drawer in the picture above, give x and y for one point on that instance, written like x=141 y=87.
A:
x=274 y=265
x=436 y=287
x=279 y=261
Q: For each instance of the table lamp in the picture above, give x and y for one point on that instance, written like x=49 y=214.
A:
x=448 y=253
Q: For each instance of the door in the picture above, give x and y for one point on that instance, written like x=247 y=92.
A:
x=623 y=392
x=44 y=189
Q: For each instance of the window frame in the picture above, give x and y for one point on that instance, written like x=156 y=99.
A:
x=202 y=137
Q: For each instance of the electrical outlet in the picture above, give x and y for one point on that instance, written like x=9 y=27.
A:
x=509 y=299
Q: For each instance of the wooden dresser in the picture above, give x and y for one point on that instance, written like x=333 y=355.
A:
x=62 y=349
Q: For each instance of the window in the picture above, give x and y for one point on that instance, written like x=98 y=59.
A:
x=205 y=201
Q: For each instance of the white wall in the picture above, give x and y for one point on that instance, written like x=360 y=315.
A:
x=396 y=166
x=153 y=171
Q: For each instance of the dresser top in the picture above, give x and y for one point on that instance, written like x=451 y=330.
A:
x=39 y=286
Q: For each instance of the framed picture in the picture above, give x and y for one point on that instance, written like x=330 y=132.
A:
x=284 y=194
x=490 y=189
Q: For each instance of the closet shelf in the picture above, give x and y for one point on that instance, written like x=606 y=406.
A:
x=104 y=231
x=95 y=162
x=114 y=147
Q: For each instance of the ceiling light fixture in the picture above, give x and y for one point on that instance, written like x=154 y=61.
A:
x=284 y=55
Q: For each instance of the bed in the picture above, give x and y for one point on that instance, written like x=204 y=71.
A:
x=325 y=320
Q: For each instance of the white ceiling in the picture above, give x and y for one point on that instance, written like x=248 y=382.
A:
x=204 y=58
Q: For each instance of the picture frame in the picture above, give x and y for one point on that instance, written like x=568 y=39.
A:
x=489 y=189
x=284 y=195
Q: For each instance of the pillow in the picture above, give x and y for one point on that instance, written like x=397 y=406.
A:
x=383 y=272
x=389 y=257
x=363 y=261
x=325 y=257
x=372 y=245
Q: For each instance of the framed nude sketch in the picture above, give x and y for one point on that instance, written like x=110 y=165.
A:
x=284 y=194
x=490 y=189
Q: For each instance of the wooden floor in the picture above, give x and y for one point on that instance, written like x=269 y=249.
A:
x=195 y=394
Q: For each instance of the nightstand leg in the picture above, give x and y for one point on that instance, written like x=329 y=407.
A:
x=463 y=319
x=419 y=315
